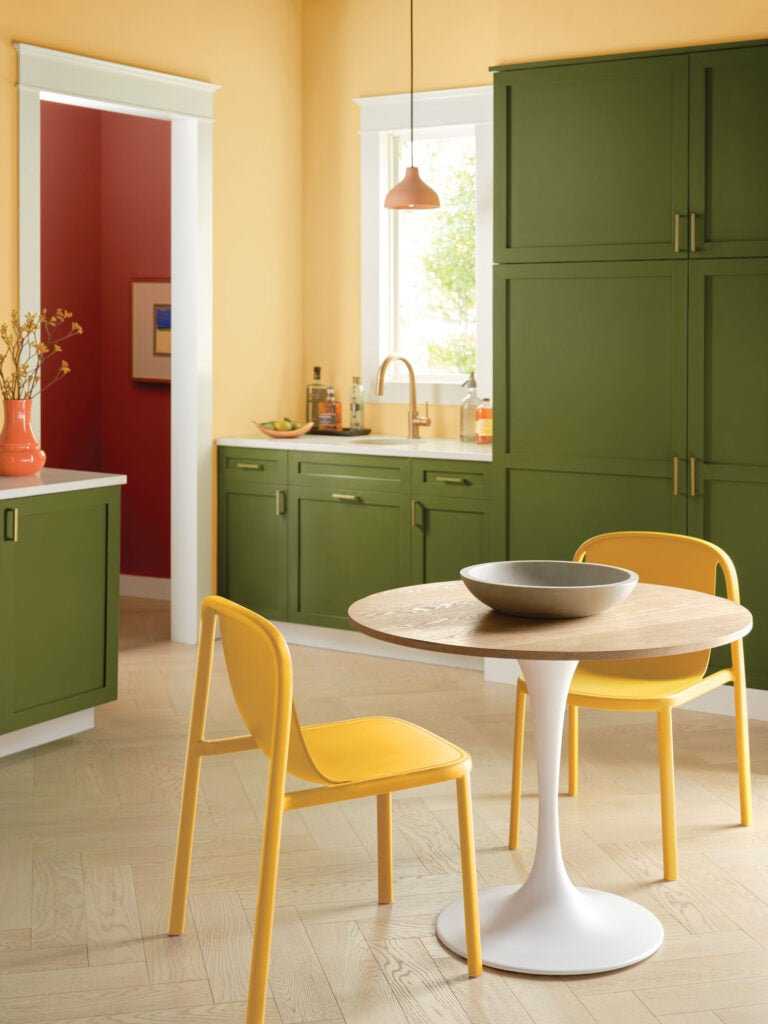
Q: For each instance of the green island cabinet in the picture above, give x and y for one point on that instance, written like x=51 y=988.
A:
x=304 y=534
x=631 y=304
x=60 y=564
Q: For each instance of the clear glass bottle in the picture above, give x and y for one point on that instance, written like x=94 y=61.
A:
x=467 y=410
x=356 y=404
x=329 y=411
x=316 y=393
x=484 y=422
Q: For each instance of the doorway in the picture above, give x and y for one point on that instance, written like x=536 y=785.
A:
x=187 y=104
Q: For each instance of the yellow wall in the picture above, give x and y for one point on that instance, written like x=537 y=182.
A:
x=286 y=128
x=358 y=48
x=252 y=49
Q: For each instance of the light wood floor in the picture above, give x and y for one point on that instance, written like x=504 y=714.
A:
x=87 y=836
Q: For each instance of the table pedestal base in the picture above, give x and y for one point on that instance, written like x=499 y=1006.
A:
x=583 y=931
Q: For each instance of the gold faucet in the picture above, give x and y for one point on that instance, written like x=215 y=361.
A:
x=414 y=420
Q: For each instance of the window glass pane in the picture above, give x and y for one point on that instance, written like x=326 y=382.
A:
x=433 y=289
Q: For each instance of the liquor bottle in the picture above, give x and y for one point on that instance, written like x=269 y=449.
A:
x=468 y=409
x=316 y=392
x=356 y=404
x=484 y=422
x=329 y=411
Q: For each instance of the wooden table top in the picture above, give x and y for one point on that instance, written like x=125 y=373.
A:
x=651 y=622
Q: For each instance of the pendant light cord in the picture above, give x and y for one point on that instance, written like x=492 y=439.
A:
x=411 y=83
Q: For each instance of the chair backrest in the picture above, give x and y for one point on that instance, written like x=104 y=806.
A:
x=261 y=677
x=672 y=560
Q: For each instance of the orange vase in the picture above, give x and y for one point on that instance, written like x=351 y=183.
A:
x=20 y=452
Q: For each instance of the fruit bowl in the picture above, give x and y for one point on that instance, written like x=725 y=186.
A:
x=297 y=432
x=549 y=589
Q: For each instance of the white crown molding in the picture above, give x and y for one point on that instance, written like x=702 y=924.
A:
x=430 y=109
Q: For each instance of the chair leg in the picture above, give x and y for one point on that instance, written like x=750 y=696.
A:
x=573 y=750
x=469 y=877
x=265 y=901
x=742 y=750
x=384 y=834
x=517 y=769
x=667 y=786
x=181 y=868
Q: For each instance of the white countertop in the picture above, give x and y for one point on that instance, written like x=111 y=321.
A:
x=369 y=444
x=51 y=481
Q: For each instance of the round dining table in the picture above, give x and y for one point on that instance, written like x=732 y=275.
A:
x=548 y=925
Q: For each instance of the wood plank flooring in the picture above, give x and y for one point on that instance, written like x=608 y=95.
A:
x=87 y=834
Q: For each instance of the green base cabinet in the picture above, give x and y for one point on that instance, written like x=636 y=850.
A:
x=253 y=529
x=59 y=559
x=328 y=529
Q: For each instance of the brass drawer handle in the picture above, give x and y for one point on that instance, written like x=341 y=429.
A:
x=677 y=232
x=345 y=497
x=693 y=232
x=279 y=503
x=249 y=465
x=675 y=476
x=14 y=521
x=693 y=477
x=451 y=479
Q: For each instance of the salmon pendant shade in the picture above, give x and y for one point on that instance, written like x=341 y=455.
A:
x=411 y=193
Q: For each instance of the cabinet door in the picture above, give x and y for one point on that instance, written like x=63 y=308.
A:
x=253 y=547
x=59 y=558
x=448 y=535
x=591 y=160
x=345 y=543
x=591 y=383
x=729 y=152
x=729 y=429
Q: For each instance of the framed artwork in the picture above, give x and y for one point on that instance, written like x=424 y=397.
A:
x=151 y=330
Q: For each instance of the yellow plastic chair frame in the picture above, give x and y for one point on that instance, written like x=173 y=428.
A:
x=343 y=760
x=651 y=684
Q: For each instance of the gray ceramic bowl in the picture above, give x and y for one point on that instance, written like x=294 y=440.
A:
x=549 y=589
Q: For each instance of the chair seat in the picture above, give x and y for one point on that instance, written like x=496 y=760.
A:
x=375 y=748
x=615 y=682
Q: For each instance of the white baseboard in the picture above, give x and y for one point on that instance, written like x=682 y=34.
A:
x=46 y=732
x=156 y=587
x=716 y=702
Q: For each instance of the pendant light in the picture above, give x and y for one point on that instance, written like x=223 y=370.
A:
x=411 y=193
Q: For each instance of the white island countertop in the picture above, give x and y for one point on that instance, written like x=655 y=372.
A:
x=51 y=481
x=369 y=444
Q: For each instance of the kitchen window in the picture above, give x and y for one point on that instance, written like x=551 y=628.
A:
x=426 y=274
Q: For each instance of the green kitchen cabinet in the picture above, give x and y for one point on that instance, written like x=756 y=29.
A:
x=590 y=365
x=728 y=429
x=452 y=519
x=662 y=156
x=59 y=558
x=349 y=532
x=573 y=143
x=253 y=529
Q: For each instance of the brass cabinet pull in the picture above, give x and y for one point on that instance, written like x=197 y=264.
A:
x=14 y=523
x=675 y=476
x=693 y=232
x=279 y=503
x=450 y=479
x=677 y=232
x=249 y=465
x=345 y=497
x=413 y=514
x=693 y=477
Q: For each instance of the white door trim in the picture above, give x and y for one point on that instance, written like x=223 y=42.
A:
x=188 y=105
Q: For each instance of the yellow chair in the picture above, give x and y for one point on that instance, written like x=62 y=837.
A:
x=344 y=760
x=651 y=684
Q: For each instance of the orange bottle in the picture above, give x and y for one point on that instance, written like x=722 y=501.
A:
x=484 y=422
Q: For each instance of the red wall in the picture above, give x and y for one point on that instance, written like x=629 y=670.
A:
x=105 y=223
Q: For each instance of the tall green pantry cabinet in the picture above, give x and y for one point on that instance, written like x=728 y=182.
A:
x=631 y=304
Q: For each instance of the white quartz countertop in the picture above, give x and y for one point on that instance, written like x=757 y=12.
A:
x=369 y=444
x=51 y=481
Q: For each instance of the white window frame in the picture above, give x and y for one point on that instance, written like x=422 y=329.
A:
x=379 y=117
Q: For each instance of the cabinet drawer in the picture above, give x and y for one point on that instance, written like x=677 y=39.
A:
x=451 y=479
x=259 y=465
x=347 y=472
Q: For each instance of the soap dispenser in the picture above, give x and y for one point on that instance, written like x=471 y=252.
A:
x=468 y=409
